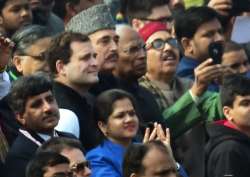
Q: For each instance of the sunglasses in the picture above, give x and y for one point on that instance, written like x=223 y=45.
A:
x=159 y=44
x=63 y=174
x=78 y=167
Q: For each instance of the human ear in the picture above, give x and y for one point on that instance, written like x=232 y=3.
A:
x=133 y=175
x=103 y=127
x=60 y=67
x=20 y=119
x=1 y=20
x=17 y=61
x=137 y=24
x=187 y=46
x=227 y=113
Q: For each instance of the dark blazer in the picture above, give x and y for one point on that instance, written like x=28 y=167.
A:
x=22 y=150
x=69 y=99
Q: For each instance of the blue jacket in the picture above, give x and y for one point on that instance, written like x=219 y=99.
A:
x=186 y=69
x=106 y=159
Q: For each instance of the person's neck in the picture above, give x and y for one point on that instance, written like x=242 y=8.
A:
x=80 y=89
x=244 y=130
x=127 y=79
x=163 y=78
x=124 y=142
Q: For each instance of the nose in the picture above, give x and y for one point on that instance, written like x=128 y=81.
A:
x=168 y=47
x=243 y=69
x=46 y=106
x=26 y=12
x=142 y=53
x=219 y=37
x=94 y=61
x=113 y=46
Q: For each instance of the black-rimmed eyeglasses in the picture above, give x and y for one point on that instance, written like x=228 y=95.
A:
x=159 y=44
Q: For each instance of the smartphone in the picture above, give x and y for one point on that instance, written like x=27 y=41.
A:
x=215 y=51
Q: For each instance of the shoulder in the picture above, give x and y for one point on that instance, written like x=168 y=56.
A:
x=232 y=148
x=68 y=122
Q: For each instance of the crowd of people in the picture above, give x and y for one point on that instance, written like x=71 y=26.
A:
x=123 y=88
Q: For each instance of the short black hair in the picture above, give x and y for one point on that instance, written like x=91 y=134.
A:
x=37 y=166
x=234 y=85
x=135 y=153
x=58 y=144
x=25 y=87
x=232 y=46
x=188 y=22
x=2 y=4
x=60 y=48
x=27 y=36
x=60 y=7
x=104 y=105
x=142 y=8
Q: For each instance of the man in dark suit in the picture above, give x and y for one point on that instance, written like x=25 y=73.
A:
x=32 y=100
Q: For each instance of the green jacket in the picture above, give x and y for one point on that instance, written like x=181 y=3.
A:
x=185 y=113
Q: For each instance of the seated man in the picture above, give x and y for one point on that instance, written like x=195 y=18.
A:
x=228 y=149
x=48 y=164
x=34 y=105
x=73 y=150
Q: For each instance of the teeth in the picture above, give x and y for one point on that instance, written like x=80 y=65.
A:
x=168 y=56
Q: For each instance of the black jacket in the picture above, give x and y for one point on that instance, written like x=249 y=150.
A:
x=227 y=152
x=147 y=108
x=69 y=99
x=22 y=150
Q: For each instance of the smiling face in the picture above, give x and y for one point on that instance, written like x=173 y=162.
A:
x=122 y=124
x=161 y=61
x=41 y=113
x=83 y=64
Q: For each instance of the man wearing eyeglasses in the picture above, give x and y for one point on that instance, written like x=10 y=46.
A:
x=73 y=150
x=131 y=65
x=49 y=164
x=141 y=12
x=162 y=61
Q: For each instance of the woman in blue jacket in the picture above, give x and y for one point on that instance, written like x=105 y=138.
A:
x=115 y=115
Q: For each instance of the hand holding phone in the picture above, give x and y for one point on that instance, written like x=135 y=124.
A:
x=215 y=50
